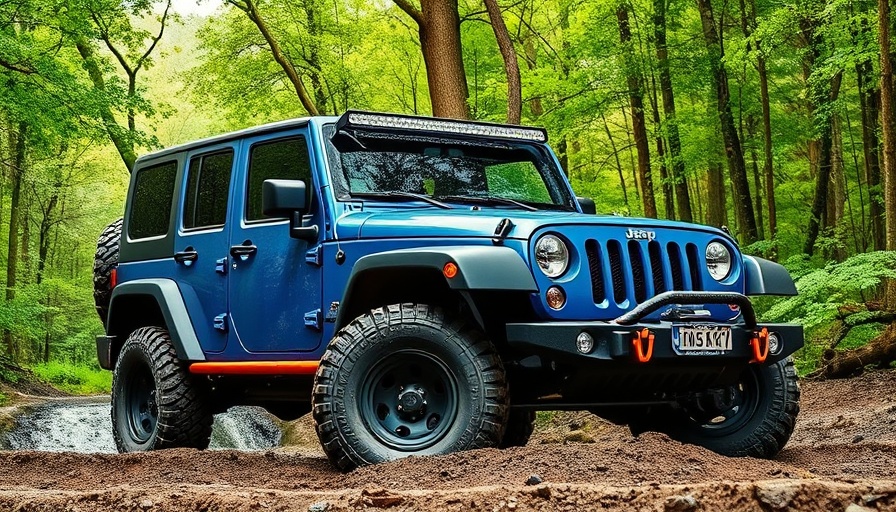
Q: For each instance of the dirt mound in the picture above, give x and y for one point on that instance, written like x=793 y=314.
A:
x=842 y=454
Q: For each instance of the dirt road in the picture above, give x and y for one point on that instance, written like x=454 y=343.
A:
x=842 y=457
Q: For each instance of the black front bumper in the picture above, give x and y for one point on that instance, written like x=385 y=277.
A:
x=631 y=338
x=614 y=342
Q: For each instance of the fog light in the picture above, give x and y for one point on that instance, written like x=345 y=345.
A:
x=774 y=343
x=555 y=297
x=584 y=342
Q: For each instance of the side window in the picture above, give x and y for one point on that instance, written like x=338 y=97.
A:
x=208 y=185
x=151 y=204
x=517 y=180
x=285 y=159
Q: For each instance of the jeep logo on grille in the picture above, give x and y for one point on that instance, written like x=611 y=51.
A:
x=640 y=234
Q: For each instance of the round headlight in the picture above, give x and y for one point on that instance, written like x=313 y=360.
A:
x=718 y=261
x=551 y=255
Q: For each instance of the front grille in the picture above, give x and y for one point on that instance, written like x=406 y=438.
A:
x=638 y=270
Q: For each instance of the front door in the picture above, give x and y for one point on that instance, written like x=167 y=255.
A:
x=275 y=294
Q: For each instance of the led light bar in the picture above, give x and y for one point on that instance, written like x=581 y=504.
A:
x=429 y=124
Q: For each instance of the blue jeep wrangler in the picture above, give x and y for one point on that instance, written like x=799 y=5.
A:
x=423 y=286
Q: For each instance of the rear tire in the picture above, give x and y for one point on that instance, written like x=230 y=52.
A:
x=752 y=419
x=404 y=380
x=155 y=403
x=105 y=259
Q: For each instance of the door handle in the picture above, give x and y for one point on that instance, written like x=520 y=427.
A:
x=244 y=250
x=187 y=256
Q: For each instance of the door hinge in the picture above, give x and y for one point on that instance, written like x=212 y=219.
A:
x=220 y=322
x=314 y=256
x=313 y=319
x=221 y=266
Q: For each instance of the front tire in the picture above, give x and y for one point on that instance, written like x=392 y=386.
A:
x=754 y=418
x=156 y=404
x=520 y=426
x=404 y=380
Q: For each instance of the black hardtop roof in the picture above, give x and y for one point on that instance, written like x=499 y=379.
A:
x=227 y=137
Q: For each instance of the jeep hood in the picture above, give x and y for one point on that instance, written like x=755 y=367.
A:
x=467 y=223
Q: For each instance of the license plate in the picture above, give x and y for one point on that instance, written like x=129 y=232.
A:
x=701 y=339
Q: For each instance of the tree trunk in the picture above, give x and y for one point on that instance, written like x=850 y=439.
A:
x=682 y=195
x=743 y=204
x=821 y=96
x=314 y=74
x=869 y=102
x=888 y=124
x=716 y=212
x=618 y=163
x=511 y=66
x=636 y=102
x=251 y=9
x=880 y=350
x=17 y=144
x=439 y=28
x=118 y=135
x=767 y=163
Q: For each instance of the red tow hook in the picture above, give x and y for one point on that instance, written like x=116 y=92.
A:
x=760 y=346
x=642 y=338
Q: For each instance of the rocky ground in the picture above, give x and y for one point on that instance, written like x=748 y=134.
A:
x=842 y=457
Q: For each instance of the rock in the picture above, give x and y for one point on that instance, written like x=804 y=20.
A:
x=534 y=480
x=858 y=439
x=776 y=496
x=858 y=508
x=320 y=506
x=146 y=504
x=871 y=498
x=578 y=436
x=680 y=503
x=380 y=498
x=543 y=491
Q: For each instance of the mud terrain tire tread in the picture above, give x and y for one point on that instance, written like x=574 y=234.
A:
x=377 y=331
x=763 y=438
x=184 y=418
x=520 y=426
x=105 y=259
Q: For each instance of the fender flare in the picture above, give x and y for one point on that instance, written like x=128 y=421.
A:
x=480 y=267
x=764 y=277
x=168 y=297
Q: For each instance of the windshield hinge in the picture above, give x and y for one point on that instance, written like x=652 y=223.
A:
x=502 y=231
x=313 y=256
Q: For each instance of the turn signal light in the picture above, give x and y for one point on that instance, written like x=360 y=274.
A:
x=555 y=297
x=450 y=270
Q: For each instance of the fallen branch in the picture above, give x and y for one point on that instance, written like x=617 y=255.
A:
x=880 y=351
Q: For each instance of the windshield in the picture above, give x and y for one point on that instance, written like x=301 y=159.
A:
x=451 y=170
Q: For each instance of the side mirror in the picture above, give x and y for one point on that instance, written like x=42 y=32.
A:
x=587 y=205
x=288 y=198
x=280 y=198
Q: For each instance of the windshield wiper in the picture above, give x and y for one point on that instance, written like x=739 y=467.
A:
x=490 y=200
x=398 y=194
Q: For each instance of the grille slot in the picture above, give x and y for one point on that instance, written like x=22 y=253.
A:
x=656 y=267
x=637 y=266
x=693 y=261
x=682 y=261
x=592 y=249
x=614 y=251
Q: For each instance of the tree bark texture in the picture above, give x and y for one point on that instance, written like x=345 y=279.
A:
x=888 y=124
x=670 y=125
x=17 y=135
x=511 y=66
x=439 y=28
x=636 y=103
x=743 y=204
x=869 y=102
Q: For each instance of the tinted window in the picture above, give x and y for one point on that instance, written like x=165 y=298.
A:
x=208 y=184
x=280 y=160
x=151 y=204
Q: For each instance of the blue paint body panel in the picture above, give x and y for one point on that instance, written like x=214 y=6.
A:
x=273 y=298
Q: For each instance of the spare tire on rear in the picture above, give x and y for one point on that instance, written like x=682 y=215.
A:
x=104 y=262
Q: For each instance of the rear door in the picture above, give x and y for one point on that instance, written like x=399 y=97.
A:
x=275 y=284
x=202 y=242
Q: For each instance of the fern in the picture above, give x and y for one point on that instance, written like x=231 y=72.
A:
x=823 y=291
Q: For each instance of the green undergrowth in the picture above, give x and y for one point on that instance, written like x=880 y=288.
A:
x=3 y=399
x=75 y=379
